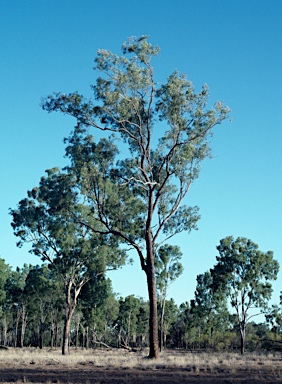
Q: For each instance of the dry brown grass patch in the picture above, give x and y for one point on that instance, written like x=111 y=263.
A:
x=200 y=364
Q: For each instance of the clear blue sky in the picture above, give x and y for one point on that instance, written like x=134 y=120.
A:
x=233 y=46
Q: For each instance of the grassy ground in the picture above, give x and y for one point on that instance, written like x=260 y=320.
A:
x=120 y=366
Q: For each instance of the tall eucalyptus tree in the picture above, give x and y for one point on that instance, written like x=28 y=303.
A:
x=164 y=131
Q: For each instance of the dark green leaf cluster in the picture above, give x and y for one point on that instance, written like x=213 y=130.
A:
x=49 y=219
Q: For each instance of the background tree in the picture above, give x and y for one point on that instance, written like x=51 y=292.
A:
x=258 y=337
x=17 y=303
x=127 y=320
x=140 y=197
x=5 y=273
x=168 y=320
x=274 y=319
x=100 y=309
x=168 y=269
x=143 y=324
x=73 y=252
x=243 y=274
x=43 y=290
x=184 y=329
x=210 y=312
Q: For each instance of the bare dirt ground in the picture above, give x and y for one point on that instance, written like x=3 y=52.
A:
x=102 y=367
x=129 y=376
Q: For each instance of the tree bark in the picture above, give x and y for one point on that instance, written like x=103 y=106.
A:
x=70 y=308
x=23 y=327
x=5 y=330
x=77 y=332
x=242 y=337
x=153 y=318
x=41 y=333
x=52 y=336
x=17 y=328
x=87 y=338
x=66 y=333
x=56 y=341
x=162 y=334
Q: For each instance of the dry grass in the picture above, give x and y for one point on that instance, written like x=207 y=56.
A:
x=230 y=364
x=125 y=359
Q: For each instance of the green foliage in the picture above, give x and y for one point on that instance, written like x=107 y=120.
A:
x=16 y=303
x=45 y=302
x=274 y=316
x=169 y=318
x=5 y=272
x=143 y=322
x=130 y=319
x=99 y=309
x=43 y=288
x=209 y=309
x=47 y=219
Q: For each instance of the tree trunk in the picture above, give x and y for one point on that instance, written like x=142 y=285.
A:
x=153 y=318
x=162 y=335
x=164 y=338
x=23 y=327
x=17 y=328
x=71 y=302
x=5 y=330
x=127 y=341
x=69 y=311
x=56 y=341
x=87 y=338
x=242 y=337
x=83 y=338
x=52 y=330
x=77 y=332
x=66 y=333
x=41 y=337
x=52 y=336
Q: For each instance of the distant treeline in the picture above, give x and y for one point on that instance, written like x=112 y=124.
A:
x=33 y=311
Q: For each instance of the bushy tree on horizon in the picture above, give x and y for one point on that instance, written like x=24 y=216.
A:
x=243 y=274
